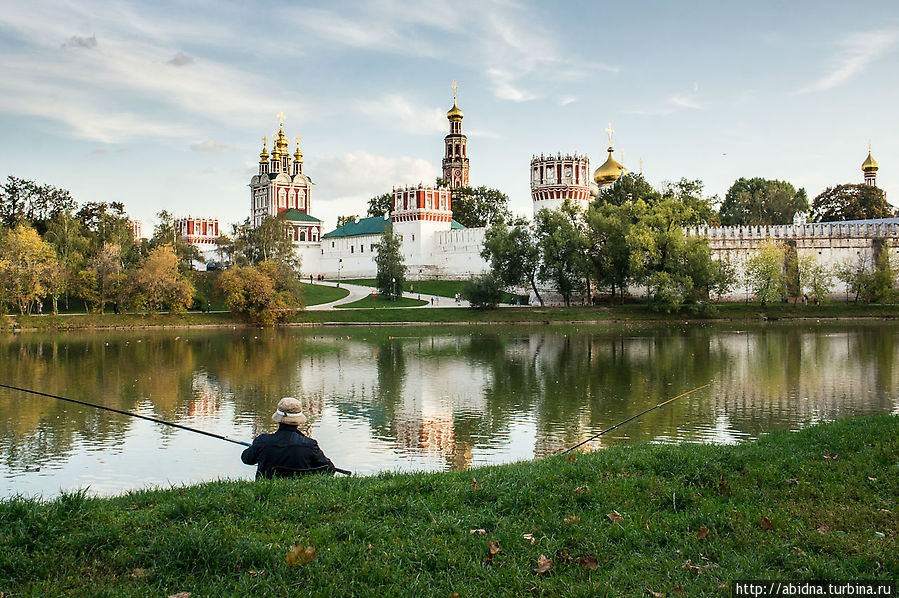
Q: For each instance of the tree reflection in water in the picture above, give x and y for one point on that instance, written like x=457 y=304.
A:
x=440 y=398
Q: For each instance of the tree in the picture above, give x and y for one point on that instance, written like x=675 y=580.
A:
x=107 y=269
x=513 y=255
x=815 y=279
x=851 y=202
x=759 y=201
x=26 y=202
x=612 y=253
x=765 y=272
x=628 y=189
x=28 y=267
x=480 y=206
x=157 y=282
x=165 y=233
x=66 y=234
x=263 y=294
x=391 y=270
x=483 y=292
x=563 y=249
x=379 y=205
x=341 y=220
x=105 y=223
x=269 y=241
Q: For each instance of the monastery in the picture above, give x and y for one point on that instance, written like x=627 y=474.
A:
x=434 y=245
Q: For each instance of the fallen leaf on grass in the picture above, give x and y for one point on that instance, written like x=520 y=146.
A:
x=571 y=458
x=872 y=479
x=454 y=595
x=656 y=594
x=799 y=551
x=581 y=489
x=702 y=532
x=615 y=517
x=698 y=568
x=823 y=528
x=180 y=595
x=474 y=484
x=887 y=511
x=563 y=556
x=139 y=573
x=792 y=481
x=571 y=519
x=722 y=487
x=480 y=532
x=827 y=455
x=529 y=537
x=587 y=562
x=492 y=550
x=300 y=555
x=543 y=564
x=647 y=526
x=766 y=523
x=678 y=590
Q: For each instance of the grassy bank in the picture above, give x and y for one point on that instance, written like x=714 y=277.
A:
x=675 y=520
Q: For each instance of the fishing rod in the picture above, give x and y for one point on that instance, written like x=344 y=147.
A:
x=146 y=417
x=633 y=417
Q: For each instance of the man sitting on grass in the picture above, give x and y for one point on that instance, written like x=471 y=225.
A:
x=288 y=451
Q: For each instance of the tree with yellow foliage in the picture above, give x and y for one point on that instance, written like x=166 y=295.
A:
x=157 y=283
x=28 y=267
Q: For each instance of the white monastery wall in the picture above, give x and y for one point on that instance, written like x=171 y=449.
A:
x=457 y=253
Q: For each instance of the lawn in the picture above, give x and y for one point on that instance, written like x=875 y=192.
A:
x=657 y=520
x=316 y=294
x=381 y=302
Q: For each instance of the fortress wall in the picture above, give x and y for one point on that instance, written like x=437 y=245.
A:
x=457 y=254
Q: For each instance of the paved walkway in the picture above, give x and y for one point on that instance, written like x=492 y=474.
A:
x=358 y=292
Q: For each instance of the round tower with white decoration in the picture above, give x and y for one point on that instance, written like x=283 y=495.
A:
x=557 y=178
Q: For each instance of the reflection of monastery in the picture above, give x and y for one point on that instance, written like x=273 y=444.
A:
x=435 y=245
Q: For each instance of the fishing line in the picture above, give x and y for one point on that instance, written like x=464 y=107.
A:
x=633 y=417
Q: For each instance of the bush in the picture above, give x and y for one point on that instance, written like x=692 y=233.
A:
x=483 y=292
x=668 y=292
x=262 y=294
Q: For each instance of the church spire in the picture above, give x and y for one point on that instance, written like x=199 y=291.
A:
x=455 y=160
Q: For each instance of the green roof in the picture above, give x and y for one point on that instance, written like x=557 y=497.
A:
x=295 y=215
x=375 y=225
x=456 y=226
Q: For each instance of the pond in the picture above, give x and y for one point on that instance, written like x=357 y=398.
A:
x=424 y=398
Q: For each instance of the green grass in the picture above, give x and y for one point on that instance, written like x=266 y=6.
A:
x=316 y=294
x=441 y=288
x=383 y=303
x=410 y=534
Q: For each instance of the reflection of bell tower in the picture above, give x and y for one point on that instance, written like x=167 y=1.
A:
x=455 y=162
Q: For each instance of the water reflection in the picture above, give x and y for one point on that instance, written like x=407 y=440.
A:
x=395 y=398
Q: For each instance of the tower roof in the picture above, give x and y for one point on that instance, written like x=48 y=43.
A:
x=609 y=172
x=870 y=164
x=455 y=113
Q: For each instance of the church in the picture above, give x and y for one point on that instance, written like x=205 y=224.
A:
x=433 y=244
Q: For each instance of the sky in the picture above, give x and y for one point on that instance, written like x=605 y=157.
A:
x=163 y=105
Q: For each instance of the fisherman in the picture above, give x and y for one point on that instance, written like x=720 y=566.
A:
x=288 y=451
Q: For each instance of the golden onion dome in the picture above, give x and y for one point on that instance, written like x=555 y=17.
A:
x=454 y=113
x=263 y=155
x=298 y=155
x=609 y=172
x=870 y=164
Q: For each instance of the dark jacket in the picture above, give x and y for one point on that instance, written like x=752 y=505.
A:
x=288 y=447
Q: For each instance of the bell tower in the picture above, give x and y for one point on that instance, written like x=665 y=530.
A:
x=455 y=161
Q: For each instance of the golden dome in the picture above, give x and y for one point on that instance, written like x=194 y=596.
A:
x=263 y=156
x=298 y=155
x=454 y=113
x=869 y=165
x=609 y=172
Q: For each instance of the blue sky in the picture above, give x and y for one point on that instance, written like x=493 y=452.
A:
x=163 y=105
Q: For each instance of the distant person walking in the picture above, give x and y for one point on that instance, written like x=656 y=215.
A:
x=288 y=451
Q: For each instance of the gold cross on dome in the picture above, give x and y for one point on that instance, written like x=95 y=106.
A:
x=610 y=130
x=454 y=86
x=264 y=140
x=298 y=140
x=281 y=118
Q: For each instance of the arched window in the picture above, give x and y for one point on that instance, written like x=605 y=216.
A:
x=314 y=235
x=292 y=199
x=282 y=198
x=303 y=235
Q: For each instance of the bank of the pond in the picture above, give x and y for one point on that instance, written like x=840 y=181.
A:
x=449 y=315
x=673 y=520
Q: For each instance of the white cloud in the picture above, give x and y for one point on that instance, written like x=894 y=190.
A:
x=682 y=100
x=567 y=100
x=211 y=146
x=402 y=114
x=856 y=52
x=181 y=59
x=345 y=182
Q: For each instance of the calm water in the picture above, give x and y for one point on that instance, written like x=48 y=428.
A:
x=416 y=398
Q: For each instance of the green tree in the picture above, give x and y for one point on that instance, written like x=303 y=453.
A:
x=105 y=223
x=391 y=269
x=851 y=202
x=24 y=201
x=759 y=201
x=766 y=273
x=263 y=294
x=815 y=279
x=481 y=206
x=380 y=205
x=611 y=250
x=28 y=267
x=158 y=283
x=563 y=249
x=630 y=188
x=165 y=233
x=269 y=242
x=66 y=234
x=107 y=270
x=483 y=292
x=513 y=255
x=341 y=220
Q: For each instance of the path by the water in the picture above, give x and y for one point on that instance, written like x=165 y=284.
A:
x=358 y=292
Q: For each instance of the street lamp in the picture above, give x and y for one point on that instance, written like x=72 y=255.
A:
x=419 y=284
x=393 y=287
x=339 y=266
